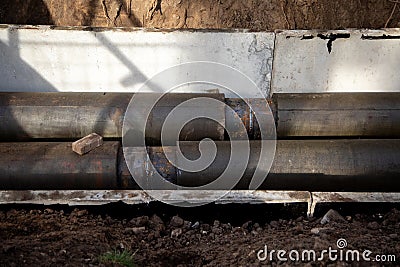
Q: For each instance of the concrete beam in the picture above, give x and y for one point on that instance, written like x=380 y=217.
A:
x=336 y=61
x=101 y=197
x=120 y=60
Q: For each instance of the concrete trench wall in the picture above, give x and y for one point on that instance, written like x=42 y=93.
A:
x=49 y=59
x=337 y=61
x=46 y=59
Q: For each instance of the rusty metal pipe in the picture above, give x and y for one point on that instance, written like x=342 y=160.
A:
x=26 y=116
x=338 y=114
x=54 y=165
x=313 y=165
x=310 y=165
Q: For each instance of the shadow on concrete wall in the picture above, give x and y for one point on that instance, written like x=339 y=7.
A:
x=13 y=68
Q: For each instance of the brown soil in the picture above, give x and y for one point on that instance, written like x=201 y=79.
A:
x=252 y=14
x=77 y=237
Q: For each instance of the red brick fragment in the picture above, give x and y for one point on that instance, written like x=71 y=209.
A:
x=87 y=143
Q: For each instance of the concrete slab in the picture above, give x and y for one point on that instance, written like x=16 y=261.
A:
x=120 y=60
x=337 y=61
x=98 y=197
x=101 y=197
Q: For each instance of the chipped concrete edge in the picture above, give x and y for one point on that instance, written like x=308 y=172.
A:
x=119 y=29
x=100 y=197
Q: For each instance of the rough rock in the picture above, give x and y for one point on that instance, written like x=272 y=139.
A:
x=332 y=216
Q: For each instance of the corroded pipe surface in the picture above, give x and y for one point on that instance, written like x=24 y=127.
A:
x=25 y=116
x=338 y=114
x=312 y=165
x=55 y=166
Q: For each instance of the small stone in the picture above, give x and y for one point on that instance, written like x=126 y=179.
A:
x=298 y=230
x=176 y=233
x=140 y=221
x=332 y=216
x=216 y=230
x=349 y=218
x=176 y=221
x=274 y=224
x=156 y=223
x=195 y=225
x=48 y=211
x=135 y=230
x=138 y=230
x=393 y=236
x=187 y=224
x=81 y=213
x=373 y=226
x=226 y=226
x=247 y=225
x=237 y=230
x=156 y=220
x=315 y=231
x=392 y=217
x=205 y=227
x=323 y=230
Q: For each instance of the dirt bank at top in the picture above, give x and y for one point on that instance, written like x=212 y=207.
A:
x=251 y=14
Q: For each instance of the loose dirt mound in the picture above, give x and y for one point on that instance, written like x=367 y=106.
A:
x=52 y=237
x=252 y=14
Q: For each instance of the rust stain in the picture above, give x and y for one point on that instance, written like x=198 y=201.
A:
x=298 y=195
x=335 y=197
x=20 y=196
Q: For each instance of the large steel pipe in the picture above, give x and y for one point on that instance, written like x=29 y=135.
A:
x=338 y=114
x=55 y=166
x=25 y=116
x=314 y=165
